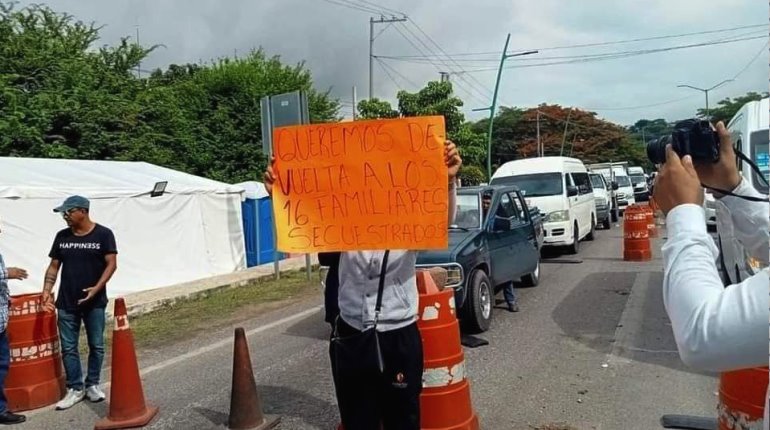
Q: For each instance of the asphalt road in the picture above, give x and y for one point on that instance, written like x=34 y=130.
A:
x=591 y=348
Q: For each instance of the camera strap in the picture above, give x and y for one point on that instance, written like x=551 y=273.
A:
x=754 y=167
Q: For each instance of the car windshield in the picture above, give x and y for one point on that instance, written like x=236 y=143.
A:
x=535 y=185
x=623 y=181
x=637 y=179
x=596 y=181
x=468 y=211
x=759 y=154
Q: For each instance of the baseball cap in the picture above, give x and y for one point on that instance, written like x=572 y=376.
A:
x=73 y=202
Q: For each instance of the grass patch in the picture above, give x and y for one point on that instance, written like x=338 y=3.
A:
x=214 y=309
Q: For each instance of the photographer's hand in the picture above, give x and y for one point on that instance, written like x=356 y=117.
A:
x=677 y=183
x=724 y=174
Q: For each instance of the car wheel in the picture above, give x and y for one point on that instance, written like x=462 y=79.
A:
x=592 y=233
x=607 y=224
x=478 y=306
x=575 y=247
x=533 y=279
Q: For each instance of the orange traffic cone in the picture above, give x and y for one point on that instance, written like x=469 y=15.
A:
x=127 y=407
x=445 y=402
x=245 y=404
x=742 y=398
x=636 y=235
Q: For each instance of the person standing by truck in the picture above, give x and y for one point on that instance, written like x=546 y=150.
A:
x=509 y=291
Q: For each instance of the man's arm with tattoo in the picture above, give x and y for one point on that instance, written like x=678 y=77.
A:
x=51 y=274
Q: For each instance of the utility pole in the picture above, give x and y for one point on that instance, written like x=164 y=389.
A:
x=706 y=91
x=539 y=147
x=564 y=138
x=355 y=103
x=373 y=21
x=444 y=76
x=139 y=65
x=491 y=108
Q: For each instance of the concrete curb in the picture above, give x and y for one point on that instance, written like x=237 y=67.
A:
x=148 y=301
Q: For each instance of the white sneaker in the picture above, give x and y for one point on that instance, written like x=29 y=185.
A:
x=71 y=399
x=95 y=394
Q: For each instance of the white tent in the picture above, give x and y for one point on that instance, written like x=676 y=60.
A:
x=192 y=231
x=254 y=190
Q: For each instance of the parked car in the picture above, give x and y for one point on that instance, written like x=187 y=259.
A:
x=602 y=199
x=485 y=252
x=641 y=191
x=625 y=192
x=561 y=188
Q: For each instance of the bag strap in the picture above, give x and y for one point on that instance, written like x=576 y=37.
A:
x=381 y=287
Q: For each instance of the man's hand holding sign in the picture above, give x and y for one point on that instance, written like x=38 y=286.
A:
x=362 y=185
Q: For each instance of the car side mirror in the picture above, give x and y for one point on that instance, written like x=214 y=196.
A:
x=572 y=191
x=614 y=186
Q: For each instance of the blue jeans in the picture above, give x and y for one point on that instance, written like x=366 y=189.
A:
x=509 y=292
x=69 y=332
x=5 y=361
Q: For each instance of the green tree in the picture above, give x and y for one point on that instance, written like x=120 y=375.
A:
x=60 y=97
x=376 y=109
x=436 y=98
x=211 y=114
x=650 y=129
x=504 y=136
x=728 y=107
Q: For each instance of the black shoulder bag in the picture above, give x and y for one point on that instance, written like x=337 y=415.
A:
x=361 y=352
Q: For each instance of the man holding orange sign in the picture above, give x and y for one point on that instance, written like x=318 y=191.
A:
x=397 y=168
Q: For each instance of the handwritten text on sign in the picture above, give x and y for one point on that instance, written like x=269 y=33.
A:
x=361 y=185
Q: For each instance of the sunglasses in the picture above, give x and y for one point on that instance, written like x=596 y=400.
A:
x=68 y=212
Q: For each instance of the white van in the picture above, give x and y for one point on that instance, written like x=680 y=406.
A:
x=561 y=189
x=602 y=199
x=625 y=192
x=749 y=129
x=749 y=132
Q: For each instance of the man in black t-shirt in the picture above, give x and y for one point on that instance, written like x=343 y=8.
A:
x=87 y=255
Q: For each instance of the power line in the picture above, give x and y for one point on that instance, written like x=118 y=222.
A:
x=387 y=66
x=483 y=100
x=420 y=50
x=383 y=8
x=387 y=72
x=638 y=107
x=761 y=50
x=383 y=31
x=471 y=85
x=354 y=6
x=420 y=60
x=623 y=55
x=737 y=75
x=616 y=42
x=450 y=58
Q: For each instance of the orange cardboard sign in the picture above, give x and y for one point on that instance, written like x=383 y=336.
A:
x=362 y=185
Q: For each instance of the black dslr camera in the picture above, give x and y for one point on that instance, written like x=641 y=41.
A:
x=691 y=137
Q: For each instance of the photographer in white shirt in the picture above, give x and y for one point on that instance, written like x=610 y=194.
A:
x=716 y=328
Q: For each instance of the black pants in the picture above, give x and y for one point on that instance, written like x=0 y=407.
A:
x=392 y=398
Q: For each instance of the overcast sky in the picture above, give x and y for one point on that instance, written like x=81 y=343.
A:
x=333 y=40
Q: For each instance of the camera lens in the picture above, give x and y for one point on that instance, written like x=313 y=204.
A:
x=656 y=150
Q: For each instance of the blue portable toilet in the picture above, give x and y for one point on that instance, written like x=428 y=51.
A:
x=258 y=225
